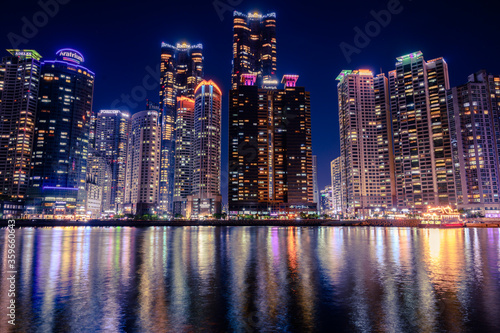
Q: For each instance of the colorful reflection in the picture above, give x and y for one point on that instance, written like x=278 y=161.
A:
x=244 y=279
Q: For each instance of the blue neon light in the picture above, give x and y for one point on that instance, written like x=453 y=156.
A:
x=59 y=188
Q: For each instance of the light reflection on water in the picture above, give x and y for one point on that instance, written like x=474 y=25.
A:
x=245 y=279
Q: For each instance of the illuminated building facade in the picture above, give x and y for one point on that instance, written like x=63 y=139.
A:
x=365 y=162
x=270 y=154
x=422 y=148
x=384 y=141
x=94 y=198
x=493 y=86
x=336 y=176
x=184 y=154
x=94 y=190
x=143 y=163
x=60 y=150
x=325 y=200
x=19 y=85
x=247 y=125
x=476 y=165
x=315 y=181
x=96 y=170
x=254 y=48
x=111 y=134
x=181 y=70
x=205 y=199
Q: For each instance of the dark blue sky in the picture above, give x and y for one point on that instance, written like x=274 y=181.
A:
x=121 y=39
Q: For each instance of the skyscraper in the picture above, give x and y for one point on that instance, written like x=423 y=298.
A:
x=19 y=85
x=111 y=133
x=384 y=141
x=181 y=71
x=422 y=149
x=62 y=135
x=184 y=154
x=93 y=206
x=270 y=157
x=325 y=200
x=365 y=160
x=143 y=163
x=336 y=176
x=254 y=49
x=206 y=199
x=493 y=89
x=94 y=171
x=475 y=158
x=316 y=193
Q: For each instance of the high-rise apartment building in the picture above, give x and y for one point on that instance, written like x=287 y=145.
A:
x=315 y=181
x=493 y=88
x=94 y=170
x=247 y=131
x=364 y=146
x=93 y=206
x=325 y=200
x=254 y=49
x=19 y=85
x=143 y=163
x=60 y=150
x=270 y=154
x=181 y=70
x=110 y=143
x=184 y=154
x=336 y=176
x=205 y=198
x=384 y=141
x=475 y=157
x=422 y=149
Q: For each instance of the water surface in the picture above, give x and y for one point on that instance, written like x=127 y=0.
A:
x=248 y=279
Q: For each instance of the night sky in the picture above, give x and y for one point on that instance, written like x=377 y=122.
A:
x=120 y=41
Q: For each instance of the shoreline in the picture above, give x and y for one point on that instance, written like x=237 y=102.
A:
x=242 y=223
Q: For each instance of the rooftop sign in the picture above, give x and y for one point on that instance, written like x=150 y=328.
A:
x=70 y=55
x=25 y=54
x=410 y=56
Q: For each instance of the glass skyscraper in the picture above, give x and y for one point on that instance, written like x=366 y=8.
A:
x=336 y=177
x=254 y=48
x=19 y=85
x=422 y=149
x=62 y=135
x=471 y=109
x=205 y=199
x=184 y=154
x=365 y=161
x=181 y=70
x=270 y=153
x=316 y=192
x=111 y=132
x=143 y=163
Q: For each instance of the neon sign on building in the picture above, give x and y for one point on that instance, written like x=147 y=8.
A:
x=70 y=55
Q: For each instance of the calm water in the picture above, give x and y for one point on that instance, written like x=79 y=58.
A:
x=246 y=279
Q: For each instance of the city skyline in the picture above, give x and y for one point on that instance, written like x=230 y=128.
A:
x=297 y=33
x=397 y=138
x=236 y=165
